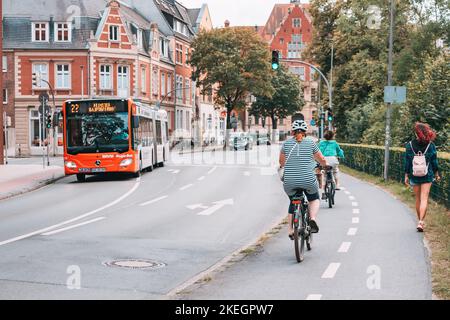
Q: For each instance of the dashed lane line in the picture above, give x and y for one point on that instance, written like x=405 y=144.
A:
x=201 y=178
x=186 y=187
x=356 y=211
x=212 y=170
x=354 y=204
x=345 y=246
x=355 y=220
x=314 y=297
x=352 y=231
x=153 y=201
x=330 y=272
x=73 y=226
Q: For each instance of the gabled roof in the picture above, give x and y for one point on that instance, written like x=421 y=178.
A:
x=194 y=15
x=279 y=14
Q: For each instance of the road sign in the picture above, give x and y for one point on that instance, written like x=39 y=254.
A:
x=313 y=122
x=394 y=95
x=43 y=97
x=44 y=109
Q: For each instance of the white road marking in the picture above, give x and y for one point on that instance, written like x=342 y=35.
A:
x=355 y=220
x=314 y=297
x=90 y=213
x=347 y=193
x=212 y=170
x=247 y=173
x=197 y=206
x=73 y=226
x=217 y=206
x=356 y=211
x=201 y=178
x=351 y=198
x=174 y=171
x=343 y=188
x=345 y=246
x=352 y=231
x=354 y=204
x=186 y=187
x=153 y=201
x=331 y=270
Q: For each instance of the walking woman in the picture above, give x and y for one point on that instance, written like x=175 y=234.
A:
x=421 y=168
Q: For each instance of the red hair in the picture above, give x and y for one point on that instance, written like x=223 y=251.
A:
x=424 y=133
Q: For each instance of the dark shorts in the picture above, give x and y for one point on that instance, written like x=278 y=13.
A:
x=310 y=197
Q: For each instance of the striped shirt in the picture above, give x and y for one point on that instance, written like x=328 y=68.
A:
x=299 y=166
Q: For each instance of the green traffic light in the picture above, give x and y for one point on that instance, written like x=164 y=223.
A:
x=275 y=66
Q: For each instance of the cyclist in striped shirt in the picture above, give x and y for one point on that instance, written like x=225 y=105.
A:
x=298 y=156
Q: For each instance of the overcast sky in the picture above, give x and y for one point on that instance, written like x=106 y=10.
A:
x=238 y=12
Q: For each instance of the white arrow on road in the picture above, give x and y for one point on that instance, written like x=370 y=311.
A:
x=210 y=210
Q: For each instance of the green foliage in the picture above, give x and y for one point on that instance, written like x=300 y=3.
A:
x=286 y=101
x=234 y=61
x=370 y=159
x=360 y=61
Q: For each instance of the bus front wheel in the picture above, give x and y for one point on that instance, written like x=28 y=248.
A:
x=81 y=177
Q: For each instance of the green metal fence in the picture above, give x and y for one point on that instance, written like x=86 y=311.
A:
x=370 y=159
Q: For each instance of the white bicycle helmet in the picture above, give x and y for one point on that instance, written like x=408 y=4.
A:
x=299 y=125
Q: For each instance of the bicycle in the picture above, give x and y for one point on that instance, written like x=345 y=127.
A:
x=330 y=186
x=300 y=224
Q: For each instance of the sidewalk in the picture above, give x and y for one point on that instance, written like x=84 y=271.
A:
x=16 y=179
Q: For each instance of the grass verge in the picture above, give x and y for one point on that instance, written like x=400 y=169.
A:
x=437 y=231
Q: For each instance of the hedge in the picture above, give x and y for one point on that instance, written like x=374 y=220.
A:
x=370 y=159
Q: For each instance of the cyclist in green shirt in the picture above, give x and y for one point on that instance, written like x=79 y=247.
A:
x=331 y=151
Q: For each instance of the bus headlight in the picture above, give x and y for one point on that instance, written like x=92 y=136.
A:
x=71 y=165
x=126 y=162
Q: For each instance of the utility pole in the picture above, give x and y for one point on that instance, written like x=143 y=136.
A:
x=330 y=126
x=389 y=105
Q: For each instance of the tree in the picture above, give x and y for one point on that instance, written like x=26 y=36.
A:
x=286 y=101
x=234 y=61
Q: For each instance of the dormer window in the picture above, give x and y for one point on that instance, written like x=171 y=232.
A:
x=63 y=32
x=40 y=31
x=113 y=33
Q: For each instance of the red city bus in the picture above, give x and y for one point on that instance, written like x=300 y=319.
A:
x=113 y=135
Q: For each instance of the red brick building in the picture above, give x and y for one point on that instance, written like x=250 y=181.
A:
x=84 y=49
x=289 y=31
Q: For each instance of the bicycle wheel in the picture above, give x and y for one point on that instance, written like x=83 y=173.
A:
x=333 y=191
x=329 y=194
x=299 y=239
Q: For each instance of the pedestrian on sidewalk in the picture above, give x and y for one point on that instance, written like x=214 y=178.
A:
x=421 y=168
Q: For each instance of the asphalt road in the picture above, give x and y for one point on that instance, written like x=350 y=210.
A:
x=58 y=242
x=185 y=218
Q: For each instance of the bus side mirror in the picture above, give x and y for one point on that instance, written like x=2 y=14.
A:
x=135 y=122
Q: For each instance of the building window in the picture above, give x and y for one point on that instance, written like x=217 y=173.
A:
x=296 y=22
x=5 y=96
x=62 y=32
x=186 y=91
x=5 y=63
x=188 y=121
x=281 y=40
x=35 y=133
x=169 y=86
x=155 y=83
x=164 y=47
x=144 y=79
x=163 y=85
x=123 y=82
x=113 y=33
x=40 y=32
x=298 y=71
x=105 y=77
x=187 y=56
x=41 y=70
x=63 y=76
x=140 y=39
x=179 y=54
x=179 y=89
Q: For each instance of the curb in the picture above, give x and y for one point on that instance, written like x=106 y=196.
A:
x=233 y=257
x=32 y=187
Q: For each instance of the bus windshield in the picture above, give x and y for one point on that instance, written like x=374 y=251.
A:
x=97 y=132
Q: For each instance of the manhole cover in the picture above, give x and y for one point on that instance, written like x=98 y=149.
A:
x=135 y=264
